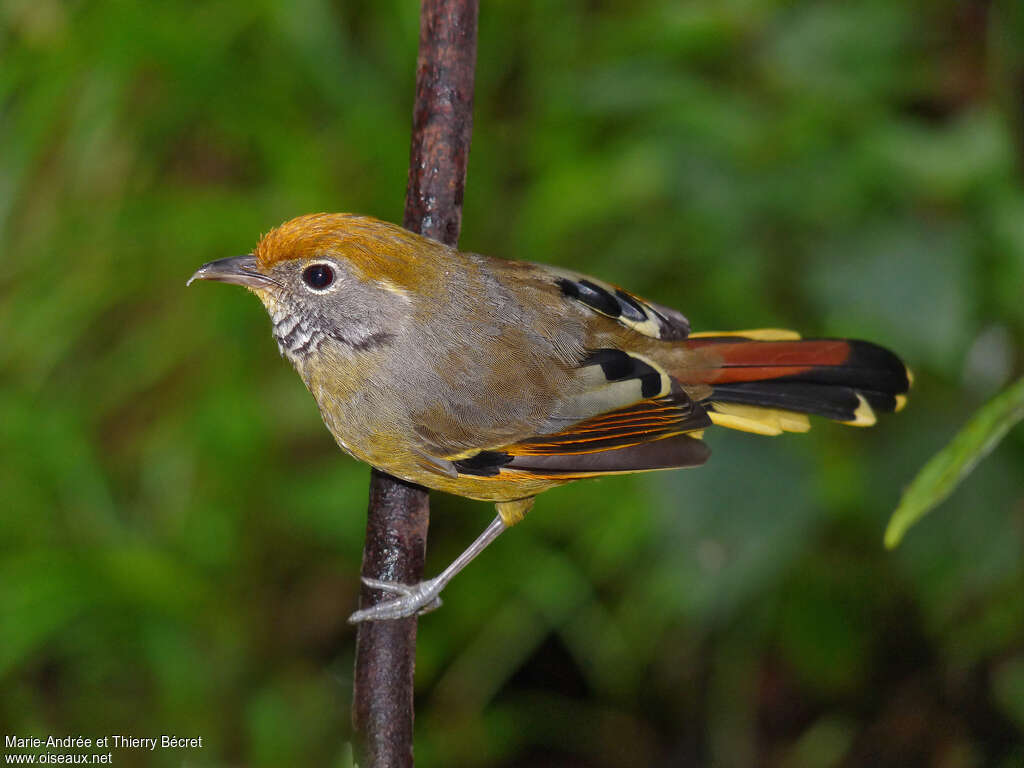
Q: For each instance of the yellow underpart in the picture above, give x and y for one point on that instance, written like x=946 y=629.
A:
x=760 y=421
x=864 y=416
x=513 y=512
x=901 y=403
x=758 y=334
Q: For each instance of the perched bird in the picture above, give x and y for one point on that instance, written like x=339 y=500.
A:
x=498 y=380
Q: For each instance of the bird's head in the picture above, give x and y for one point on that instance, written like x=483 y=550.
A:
x=339 y=279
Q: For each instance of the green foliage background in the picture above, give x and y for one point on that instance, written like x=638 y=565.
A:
x=180 y=539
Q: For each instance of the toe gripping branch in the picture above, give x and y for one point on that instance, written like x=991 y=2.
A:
x=417 y=599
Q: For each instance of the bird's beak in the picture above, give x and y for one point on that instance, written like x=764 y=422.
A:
x=240 y=270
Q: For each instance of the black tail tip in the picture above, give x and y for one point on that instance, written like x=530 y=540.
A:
x=873 y=367
x=871 y=380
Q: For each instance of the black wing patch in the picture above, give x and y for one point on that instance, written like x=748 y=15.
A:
x=591 y=294
x=483 y=464
x=642 y=316
x=617 y=365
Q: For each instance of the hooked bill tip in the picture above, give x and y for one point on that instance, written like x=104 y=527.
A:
x=240 y=270
x=202 y=273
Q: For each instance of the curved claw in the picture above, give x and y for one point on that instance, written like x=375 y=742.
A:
x=395 y=587
x=411 y=601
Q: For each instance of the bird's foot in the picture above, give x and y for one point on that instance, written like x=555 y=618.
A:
x=411 y=601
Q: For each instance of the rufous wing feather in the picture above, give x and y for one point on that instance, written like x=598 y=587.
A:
x=650 y=434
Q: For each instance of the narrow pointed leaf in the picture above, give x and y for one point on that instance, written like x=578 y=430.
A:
x=948 y=468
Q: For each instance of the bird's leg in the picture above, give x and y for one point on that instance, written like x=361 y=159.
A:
x=425 y=596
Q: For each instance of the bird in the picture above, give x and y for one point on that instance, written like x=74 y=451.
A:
x=497 y=380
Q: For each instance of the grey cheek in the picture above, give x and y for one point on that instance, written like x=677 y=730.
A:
x=367 y=341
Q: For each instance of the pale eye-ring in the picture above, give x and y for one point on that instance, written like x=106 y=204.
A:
x=318 y=276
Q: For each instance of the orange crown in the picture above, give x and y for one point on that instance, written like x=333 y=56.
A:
x=376 y=249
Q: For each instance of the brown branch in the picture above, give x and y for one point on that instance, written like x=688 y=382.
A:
x=399 y=513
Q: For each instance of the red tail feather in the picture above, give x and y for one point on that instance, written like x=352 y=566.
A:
x=841 y=379
x=760 y=360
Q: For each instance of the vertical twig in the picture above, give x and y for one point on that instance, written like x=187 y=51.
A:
x=442 y=118
x=398 y=515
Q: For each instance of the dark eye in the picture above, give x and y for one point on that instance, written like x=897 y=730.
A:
x=318 y=276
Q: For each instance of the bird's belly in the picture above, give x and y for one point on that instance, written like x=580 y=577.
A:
x=375 y=438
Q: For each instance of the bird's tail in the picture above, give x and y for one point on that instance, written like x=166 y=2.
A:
x=768 y=380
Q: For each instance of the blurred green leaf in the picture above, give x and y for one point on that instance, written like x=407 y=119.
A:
x=948 y=468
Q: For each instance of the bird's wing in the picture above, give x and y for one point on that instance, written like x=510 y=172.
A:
x=620 y=414
x=655 y=433
x=645 y=317
x=593 y=400
x=624 y=414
